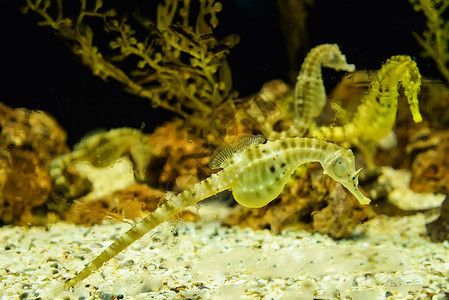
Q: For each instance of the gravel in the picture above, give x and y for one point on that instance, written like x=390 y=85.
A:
x=387 y=258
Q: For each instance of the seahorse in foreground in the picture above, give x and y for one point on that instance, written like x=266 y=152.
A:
x=255 y=172
x=376 y=114
x=309 y=96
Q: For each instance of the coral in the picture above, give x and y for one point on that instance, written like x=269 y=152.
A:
x=435 y=40
x=28 y=141
x=256 y=175
x=438 y=230
x=181 y=158
x=310 y=198
x=32 y=130
x=174 y=61
x=342 y=213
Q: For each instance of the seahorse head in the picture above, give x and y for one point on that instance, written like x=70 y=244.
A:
x=341 y=168
x=335 y=59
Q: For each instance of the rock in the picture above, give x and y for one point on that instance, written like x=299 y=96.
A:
x=430 y=167
x=28 y=142
x=339 y=218
x=438 y=230
x=183 y=157
x=130 y=203
x=400 y=194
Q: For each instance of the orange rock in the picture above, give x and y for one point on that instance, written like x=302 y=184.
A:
x=430 y=167
x=131 y=203
x=28 y=141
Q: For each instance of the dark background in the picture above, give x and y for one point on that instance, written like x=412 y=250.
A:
x=39 y=72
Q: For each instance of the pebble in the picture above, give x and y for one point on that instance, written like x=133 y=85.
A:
x=204 y=260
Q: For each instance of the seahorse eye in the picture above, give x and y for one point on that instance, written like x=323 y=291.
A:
x=335 y=59
x=340 y=167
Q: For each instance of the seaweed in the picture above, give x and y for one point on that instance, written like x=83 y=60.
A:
x=435 y=39
x=174 y=61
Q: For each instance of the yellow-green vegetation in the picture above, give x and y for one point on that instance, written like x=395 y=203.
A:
x=376 y=115
x=256 y=173
x=174 y=60
x=435 y=40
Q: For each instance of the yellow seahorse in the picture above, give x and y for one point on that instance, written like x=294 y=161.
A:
x=309 y=96
x=376 y=114
x=255 y=172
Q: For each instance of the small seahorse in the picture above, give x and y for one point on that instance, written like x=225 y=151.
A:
x=309 y=95
x=376 y=114
x=101 y=149
x=256 y=175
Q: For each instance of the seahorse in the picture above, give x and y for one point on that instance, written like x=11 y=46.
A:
x=101 y=149
x=309 y=96
x=255 y=174
x=376 y=114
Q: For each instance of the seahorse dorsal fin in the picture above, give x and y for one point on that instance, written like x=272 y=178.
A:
x=221 y=155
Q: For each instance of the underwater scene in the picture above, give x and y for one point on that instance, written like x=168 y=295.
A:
x=233 y=149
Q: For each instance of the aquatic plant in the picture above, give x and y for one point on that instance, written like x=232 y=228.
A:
x=174 y=61
x=256 y=175
x=435 y=40
x=376 y=114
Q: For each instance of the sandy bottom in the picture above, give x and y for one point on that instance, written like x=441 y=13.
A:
x=388 y=258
